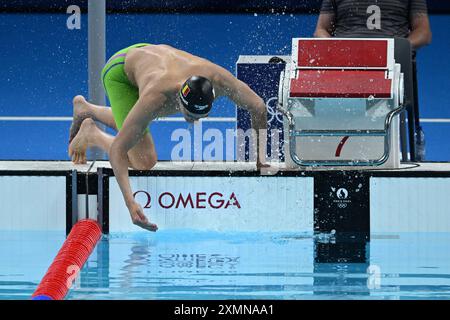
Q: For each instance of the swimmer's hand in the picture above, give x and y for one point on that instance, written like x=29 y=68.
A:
x=266 y=168
x=139 y=218
x=261 y=165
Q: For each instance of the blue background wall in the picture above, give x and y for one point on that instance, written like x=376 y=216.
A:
x=44 y=65
x=224 y=6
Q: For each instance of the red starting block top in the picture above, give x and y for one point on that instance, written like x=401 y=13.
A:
x=342 y=68
x=331 y=53
x=341 y=84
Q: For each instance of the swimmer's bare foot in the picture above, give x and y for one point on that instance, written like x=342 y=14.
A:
x=79 y=144
x=80 y=113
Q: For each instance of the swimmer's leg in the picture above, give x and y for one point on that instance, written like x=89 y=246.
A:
x=141 y=157
x=83 y=109
x=88 y=135
x=122 y=95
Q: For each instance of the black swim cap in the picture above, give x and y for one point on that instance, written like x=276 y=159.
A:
x=197 y=95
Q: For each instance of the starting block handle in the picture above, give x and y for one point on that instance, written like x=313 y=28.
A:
x=293 y=134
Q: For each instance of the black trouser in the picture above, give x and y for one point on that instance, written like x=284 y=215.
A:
x=416 y=93
x=407 y=58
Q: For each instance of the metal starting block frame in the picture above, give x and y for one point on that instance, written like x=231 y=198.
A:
x=341 y=99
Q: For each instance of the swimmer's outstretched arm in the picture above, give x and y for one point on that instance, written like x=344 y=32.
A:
x=130 y=134
x=241 y=94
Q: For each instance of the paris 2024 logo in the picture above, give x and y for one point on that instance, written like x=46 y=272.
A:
x=341 y=197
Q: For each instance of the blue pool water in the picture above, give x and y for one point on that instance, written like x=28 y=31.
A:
x=200 y=265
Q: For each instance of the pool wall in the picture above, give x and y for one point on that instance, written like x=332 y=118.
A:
x=33 y=202
x=208 y=199
x=250 y=204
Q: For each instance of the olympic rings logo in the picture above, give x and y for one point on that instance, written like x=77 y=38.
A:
x=273 y=112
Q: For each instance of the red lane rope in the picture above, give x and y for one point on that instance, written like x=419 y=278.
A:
x=70 y=259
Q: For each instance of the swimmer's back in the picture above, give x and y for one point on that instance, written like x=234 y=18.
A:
x=165 y=65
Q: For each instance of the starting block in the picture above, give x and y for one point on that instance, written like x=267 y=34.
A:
x=341 y=99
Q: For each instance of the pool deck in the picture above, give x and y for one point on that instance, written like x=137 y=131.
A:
x=203 y=166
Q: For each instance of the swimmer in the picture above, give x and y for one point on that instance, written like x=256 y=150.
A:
x=144 y=82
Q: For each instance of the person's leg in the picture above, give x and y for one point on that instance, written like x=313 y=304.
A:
x=119 y=90
x=141 y=157
x=83 y=109
x=122 y=96
x=420 y=134
x=88 y=135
